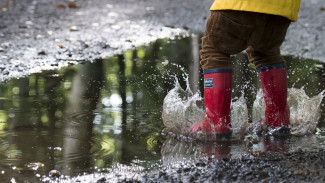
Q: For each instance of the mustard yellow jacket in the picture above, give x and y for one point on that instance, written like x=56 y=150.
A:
x=285 y=8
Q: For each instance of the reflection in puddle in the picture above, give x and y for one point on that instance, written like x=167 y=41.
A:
x=106 y=116
x=175 y=151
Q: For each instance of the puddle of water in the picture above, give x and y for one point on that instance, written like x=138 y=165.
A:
x=106 y=116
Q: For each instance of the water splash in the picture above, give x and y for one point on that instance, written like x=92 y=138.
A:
x=239 y=117
x=304 y=111
x=182 y=108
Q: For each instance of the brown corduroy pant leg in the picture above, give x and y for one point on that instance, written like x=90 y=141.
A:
x=229 y=32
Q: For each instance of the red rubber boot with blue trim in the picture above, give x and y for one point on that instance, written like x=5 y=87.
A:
x=217 y=99
x=274 y=86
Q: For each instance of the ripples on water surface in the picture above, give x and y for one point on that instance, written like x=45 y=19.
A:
x=105 y=118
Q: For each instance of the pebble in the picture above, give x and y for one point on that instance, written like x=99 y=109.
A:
x=102 y=180
x=73 y=28
x=54 y=173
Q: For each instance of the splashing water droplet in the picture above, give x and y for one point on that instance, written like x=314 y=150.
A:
x=239 y=117
x=304 y=111
x=182 y=109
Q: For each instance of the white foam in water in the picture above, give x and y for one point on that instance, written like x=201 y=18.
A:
x=182 y=108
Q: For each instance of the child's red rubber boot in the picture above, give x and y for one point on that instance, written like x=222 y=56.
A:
x=217 y=99
x=274 y=86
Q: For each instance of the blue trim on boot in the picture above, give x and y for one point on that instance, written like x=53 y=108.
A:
x=269 y=67
x=218 y=70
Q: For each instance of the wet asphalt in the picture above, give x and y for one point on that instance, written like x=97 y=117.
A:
x=38 y=35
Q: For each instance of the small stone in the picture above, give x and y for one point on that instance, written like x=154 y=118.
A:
x=73 y=28
x=29 y=23
x=255 y=140
x=308 y=47
x=42 y=52
x=202 y=164
x=54 y=173
x=263 y=175
x=103 y=179
x=22 y=26
x=299 y=172
x=39 y=36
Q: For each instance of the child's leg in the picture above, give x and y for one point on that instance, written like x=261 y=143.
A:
x=217 y=91
x=224 y=35
x=265 y=54
x=274 y=85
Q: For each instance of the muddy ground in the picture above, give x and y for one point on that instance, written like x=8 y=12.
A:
x=265 y=167
x=38 y=35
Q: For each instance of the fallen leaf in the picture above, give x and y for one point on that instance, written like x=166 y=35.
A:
x=36 y=164
x=73 y=5
x=60 y=6
x=60 y=46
